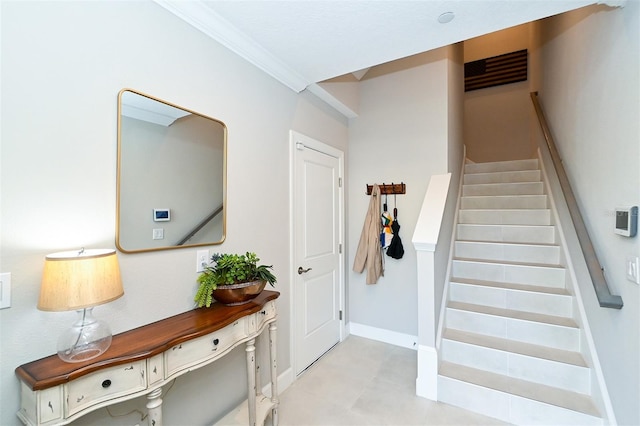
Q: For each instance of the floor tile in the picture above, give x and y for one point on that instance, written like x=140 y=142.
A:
x=364 y=382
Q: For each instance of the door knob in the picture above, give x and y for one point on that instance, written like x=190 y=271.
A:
x=302 y=271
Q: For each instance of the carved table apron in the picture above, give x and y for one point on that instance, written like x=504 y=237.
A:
x=142 y=360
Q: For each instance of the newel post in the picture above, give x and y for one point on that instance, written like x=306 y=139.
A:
x=425 y=240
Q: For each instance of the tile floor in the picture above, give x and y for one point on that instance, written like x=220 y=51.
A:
x=365 y=382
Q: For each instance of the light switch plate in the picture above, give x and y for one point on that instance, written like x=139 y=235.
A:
x=5 y=290
x=202 y=260
x=633 y=269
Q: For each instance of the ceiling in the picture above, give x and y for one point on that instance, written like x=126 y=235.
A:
x=304 y=42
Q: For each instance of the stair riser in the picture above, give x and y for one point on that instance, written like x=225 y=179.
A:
x=502 y=177
x=508 y=233
x=509 y=408
x=504 y=202
x=502 y=166
x=505 y=217
x=516 y=274
x=523 y=188
x=537 y=370
x=554 y=336
x=540 y=303
x=508 y=252
x=474 y=398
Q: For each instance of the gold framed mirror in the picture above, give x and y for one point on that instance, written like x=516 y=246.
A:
x=171 y=176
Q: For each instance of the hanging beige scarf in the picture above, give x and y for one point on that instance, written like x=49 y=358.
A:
x=369 y=253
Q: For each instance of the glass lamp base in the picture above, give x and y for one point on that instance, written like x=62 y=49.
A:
x=86 y=339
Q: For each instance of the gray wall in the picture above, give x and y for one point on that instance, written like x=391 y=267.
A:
x=496 y=119
x=404 y=133
x=591 y=96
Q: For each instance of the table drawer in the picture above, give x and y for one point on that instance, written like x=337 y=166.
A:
x=193 y=352
x=40 y=406
x=50 y=404
x=155 y=369
x=267 y=313
x=105 y=385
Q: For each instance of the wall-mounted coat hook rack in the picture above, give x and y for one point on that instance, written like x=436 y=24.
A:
x=393 y=188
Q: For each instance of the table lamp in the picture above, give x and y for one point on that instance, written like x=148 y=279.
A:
x=80 y=280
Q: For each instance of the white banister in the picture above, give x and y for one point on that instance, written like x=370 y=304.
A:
x=425 y=241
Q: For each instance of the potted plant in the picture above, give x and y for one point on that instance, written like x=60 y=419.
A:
x=232 y=279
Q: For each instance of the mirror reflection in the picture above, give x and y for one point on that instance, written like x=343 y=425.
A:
x=171 y=175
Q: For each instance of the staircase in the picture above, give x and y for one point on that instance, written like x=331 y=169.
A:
x=510 y=346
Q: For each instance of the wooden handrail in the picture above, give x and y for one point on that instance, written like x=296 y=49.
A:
x=201 y=225
x=605 y=298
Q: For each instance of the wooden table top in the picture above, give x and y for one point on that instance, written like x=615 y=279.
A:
x=141 y=343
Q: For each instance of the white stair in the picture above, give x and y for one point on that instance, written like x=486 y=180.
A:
x=510 y=346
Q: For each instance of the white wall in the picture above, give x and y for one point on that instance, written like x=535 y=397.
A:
x=63 y=64
x=591 y=96
x=497 y=119
x=400 y=135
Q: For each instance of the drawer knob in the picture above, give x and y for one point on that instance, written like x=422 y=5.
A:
x=216 y=341
x=106 y=383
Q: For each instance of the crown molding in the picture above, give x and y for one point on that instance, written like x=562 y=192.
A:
x=202 y=17
x=613 y=3
x=331 y=100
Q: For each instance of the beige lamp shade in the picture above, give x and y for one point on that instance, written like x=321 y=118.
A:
x=79 y=279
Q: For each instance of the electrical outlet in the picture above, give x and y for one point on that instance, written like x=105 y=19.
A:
x=202 y=260
x=633 y=269
x=5 y=290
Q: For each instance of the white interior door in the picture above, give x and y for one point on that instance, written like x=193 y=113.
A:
x=318 y=274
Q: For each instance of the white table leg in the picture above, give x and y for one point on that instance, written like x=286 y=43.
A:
x=274 y=373
x=154 y=408
x=251 y=380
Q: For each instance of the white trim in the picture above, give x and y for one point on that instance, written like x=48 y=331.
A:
x=205 y=19
x=285 y=379
x=427 y=380
x=548 y=173
x=425 y=235
x=454 y=232
x=308 y=142
x=331 y=100
x=381 y=335
x=614 y=3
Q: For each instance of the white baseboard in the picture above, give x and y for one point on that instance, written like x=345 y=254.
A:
x=382 y=335
x=285 y=379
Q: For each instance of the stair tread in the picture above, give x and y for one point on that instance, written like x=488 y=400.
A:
x=505 y=216
x=522 y=348
x=502 y=166
x=508 y=225
x=538 y=392
x=504 y=176
x=507 y=262
x=511 y=209
x=513 y=286
x=502 y=188
x=512 y=313
x=508 y=243
x=493 y=184
x=505 y=196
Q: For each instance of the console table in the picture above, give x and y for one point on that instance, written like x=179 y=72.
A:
x=142 y=360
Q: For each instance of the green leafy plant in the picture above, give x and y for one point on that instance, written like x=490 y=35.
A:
x=227 y=269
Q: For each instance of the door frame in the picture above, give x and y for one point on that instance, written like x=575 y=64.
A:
x=310 y=143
